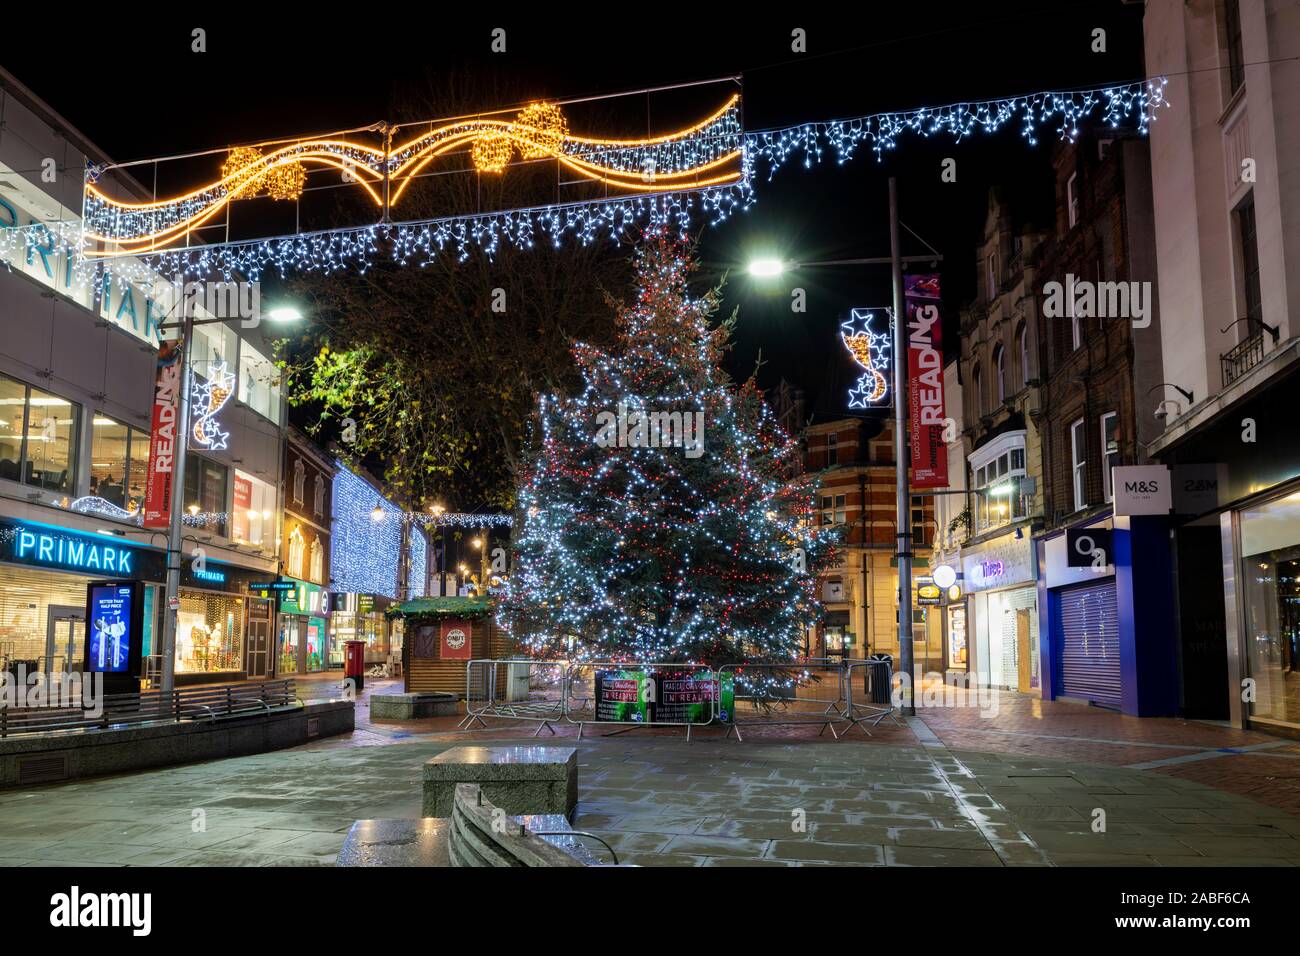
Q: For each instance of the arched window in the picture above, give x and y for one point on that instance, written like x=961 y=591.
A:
x=976 y=392
x=1000 y=370
x=317 y=568
x=299 y=479
x=1022 y=350
x=318 y=506
x=297 y=550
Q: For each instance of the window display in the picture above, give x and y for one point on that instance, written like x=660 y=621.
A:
x=209 y=633
x=119 y=459
x=1270 y=546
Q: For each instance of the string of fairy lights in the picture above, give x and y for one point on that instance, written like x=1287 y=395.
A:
x=707 y=171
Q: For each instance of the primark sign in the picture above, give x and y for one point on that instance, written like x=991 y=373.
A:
x=36 y=241
x=46 y=546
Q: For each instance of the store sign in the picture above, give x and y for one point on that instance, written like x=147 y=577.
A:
x=50 y=260
x=1089 y=548
x=455 y=637
x=208 y=575
x=1142 y=489
x=927 y=592
x=50 y=547
x=1005 y=561
x=162 y=440
x=925 y=381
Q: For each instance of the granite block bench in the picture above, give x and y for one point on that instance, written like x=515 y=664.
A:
x=477 y=834
x=413 y=706
x=516 y=779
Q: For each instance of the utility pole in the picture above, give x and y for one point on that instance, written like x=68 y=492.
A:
x=901 y=448
x=171 y=609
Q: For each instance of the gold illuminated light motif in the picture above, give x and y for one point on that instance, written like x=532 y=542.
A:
x=209 y=396
x=871 y=348
x=706 y=154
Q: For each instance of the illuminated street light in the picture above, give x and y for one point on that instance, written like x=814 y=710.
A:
x=378 y=514
x=766 y=268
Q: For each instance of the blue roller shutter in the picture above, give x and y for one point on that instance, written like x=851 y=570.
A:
x=1089 y=642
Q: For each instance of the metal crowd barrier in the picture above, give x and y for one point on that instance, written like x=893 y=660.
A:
x=515 y=689
x=876 y=677
x=810 y=691
x=684 y=686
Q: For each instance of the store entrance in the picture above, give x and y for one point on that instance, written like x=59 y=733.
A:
x=65 y=639
x=259 y=637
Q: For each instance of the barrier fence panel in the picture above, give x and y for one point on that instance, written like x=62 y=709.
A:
x=810 y=691
x=869 y=686
x=634 y=695
x=515 y=689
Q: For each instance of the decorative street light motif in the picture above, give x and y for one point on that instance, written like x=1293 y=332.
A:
x=867 y=336
x=209 y=396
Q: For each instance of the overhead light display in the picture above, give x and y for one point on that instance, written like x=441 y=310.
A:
x=208 y=396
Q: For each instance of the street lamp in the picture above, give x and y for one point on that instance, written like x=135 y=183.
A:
x=377 y=515
x=187 y=323
x=767 y=267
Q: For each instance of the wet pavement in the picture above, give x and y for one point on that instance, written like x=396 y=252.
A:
x=660 y=801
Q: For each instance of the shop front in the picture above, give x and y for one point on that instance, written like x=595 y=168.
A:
x=1107 y=607
x=303 y=639
x=999 y=619
x=221 y=629
x=360 y=617
x=46 y=569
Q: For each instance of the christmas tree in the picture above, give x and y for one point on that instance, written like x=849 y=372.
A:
x=657 y=519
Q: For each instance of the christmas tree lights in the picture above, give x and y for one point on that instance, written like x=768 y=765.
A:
x=627 y=551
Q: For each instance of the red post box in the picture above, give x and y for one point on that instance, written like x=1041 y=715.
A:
x=354 y=663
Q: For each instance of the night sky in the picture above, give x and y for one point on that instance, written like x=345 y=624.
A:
x=264 y=79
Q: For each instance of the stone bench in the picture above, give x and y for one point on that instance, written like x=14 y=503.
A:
x=517 y=779
x=413 y=706
x=476 y=835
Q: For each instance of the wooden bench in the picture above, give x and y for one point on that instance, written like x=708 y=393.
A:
x=515 y=779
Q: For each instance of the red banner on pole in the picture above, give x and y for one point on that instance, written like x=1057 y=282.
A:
x=925 y=381
x=162 y=438
x=457 y=640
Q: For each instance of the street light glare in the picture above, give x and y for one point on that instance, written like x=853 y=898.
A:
x=284 y=313
x=765 y=268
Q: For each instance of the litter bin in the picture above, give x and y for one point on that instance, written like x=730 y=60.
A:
x=354 y=663
x=879 y=678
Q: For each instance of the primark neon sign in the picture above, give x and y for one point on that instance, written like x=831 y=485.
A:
x=66 y=551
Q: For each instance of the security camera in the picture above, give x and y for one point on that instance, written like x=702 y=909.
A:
x=1162 y=411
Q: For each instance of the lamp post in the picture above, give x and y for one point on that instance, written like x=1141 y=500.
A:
x=767 y=268
x=175 y=525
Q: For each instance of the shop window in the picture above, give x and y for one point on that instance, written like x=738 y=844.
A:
x=253 y=517
x=119 y=461
x=209 y=633
x=38 y=437
x=259 y=382
x=205 y=494
x=1270 y=573
x=1109 y=451
x=1079 y=464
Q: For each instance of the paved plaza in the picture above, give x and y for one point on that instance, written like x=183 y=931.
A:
x=910 y=795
